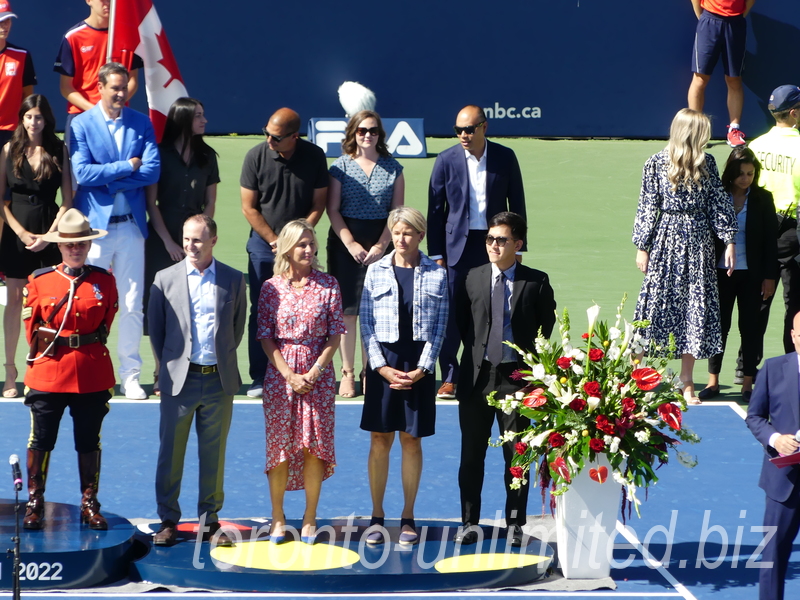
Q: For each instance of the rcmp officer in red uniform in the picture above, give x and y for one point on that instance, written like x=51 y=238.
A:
x=68 y=311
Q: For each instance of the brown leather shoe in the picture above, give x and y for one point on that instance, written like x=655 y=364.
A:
x=167 y=535
x=447 y=391
x=222 y=539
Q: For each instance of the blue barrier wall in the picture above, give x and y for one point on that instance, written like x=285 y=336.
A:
x=591 y=67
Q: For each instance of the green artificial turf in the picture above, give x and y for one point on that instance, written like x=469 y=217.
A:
x=581 y=201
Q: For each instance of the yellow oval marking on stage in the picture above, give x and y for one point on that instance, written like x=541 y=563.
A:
x=470 y=563
x=291 y=556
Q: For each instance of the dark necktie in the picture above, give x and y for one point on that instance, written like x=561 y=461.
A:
x=494 y=348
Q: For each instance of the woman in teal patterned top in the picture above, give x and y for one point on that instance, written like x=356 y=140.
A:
x=366 y=183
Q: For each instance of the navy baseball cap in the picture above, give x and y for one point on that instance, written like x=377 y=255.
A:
x=784 y=98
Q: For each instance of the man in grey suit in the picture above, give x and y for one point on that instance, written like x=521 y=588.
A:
x=196 y=314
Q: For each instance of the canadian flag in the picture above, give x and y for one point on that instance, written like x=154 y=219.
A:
x=136 y=29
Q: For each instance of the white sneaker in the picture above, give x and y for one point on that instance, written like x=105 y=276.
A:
x=132 y=389
x=256 y=390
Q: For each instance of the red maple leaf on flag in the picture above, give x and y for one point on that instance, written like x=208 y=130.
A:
x=167 y=59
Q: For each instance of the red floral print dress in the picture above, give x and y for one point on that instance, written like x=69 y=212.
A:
x=300 y=321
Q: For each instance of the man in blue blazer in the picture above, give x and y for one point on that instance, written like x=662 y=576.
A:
x=114 y=157
x=774 y=418
x=471 y=181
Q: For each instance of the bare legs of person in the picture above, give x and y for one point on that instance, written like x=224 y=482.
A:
x=411 y=472
x=11 y=331
x=313 y=471
x=347 y=386
x=687 y=369
x=697 y=91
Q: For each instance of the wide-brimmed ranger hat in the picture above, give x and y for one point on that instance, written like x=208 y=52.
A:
x=73 y=227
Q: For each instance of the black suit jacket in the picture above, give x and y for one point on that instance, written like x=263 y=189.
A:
x=448 y=196
x=532 y=306
x=760 y=236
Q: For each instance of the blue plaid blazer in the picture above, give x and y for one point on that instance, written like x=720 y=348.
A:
x=379 y=311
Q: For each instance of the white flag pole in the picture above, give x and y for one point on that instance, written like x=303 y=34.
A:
x=112 y=14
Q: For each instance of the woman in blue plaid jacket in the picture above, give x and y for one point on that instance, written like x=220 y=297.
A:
x=403 y=320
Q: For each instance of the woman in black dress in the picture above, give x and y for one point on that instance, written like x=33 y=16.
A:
x=186 y=187
x=34 y=164
x=753 y=279
x=403 y=320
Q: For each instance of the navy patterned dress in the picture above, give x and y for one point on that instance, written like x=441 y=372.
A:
x=366 y=202
x=679 y=294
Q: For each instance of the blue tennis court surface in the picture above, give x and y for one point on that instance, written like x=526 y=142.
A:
x=701 y=523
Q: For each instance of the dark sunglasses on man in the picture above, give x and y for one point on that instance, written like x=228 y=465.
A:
x=469 y=129
x=277 y=138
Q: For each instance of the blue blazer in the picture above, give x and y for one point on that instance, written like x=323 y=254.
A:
x=101 y=171
x=448 y=197
x=775 y=407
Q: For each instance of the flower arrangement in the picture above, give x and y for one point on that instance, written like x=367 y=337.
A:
x=596 y=397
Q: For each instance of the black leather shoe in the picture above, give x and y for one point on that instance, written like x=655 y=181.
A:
x=167 y=535
x=708 y=393
x=221 y=540
x=515 y=535
x=466 y=535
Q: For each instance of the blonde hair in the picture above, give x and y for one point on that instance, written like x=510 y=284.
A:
x=289 y=237
x=409 y=215
x=688 y=135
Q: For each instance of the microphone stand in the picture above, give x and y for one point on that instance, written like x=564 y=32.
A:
x=16 y=549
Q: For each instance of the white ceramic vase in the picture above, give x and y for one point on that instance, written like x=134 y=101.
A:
x=586 y=517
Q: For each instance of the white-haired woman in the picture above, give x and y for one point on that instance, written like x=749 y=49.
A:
x=403 y=321
x=299 y=325
x=682 y=206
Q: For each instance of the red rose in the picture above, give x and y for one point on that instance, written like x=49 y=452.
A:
x=595 y=354
x=559 y=467
x=521 y=447
x=628 y=406
x=646 y=379
x=578 y=404
x=565 y=362
x=535 y=398
x=671 y=415
x=592 y=388
x=556 y=440
x=604 y=425
x=597 y=445
x=516 y=472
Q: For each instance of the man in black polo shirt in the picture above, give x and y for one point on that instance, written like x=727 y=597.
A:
x=283 y=178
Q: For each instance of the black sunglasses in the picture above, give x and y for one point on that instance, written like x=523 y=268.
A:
x=362 y=131
x=277 y=138
x=501 y=240
x=469 y=129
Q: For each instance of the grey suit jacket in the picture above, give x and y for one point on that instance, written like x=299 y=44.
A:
x=169 y=315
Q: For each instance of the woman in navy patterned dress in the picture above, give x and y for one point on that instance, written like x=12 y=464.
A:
x=365 y=184
x=682 y=205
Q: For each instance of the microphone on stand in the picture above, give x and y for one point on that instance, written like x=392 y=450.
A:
x=13 y=460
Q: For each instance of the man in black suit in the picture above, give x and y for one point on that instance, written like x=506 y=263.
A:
x=501 y=301
x=774 y=418
x=471 y=181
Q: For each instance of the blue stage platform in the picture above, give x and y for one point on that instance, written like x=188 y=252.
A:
x=699 y=527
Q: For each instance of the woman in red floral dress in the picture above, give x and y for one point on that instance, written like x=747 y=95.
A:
x=299 y=325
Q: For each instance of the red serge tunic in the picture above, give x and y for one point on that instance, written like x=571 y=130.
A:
x=71 y=370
